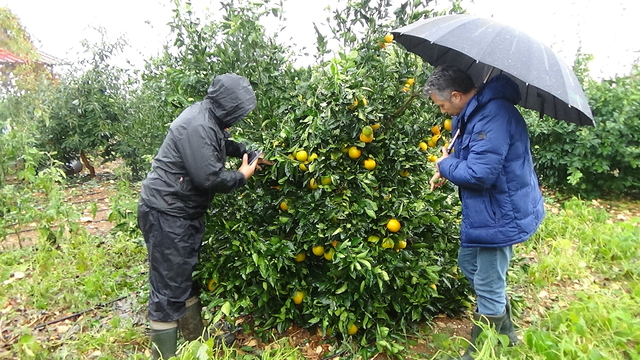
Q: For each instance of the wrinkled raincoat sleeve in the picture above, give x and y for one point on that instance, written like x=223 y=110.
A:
x=235 y=149
x=203 y=160
x=488 y=144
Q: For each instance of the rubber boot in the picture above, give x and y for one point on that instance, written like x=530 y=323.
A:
x=495 y=321
x=508 y=328
x=163 y=343
x=191 y=325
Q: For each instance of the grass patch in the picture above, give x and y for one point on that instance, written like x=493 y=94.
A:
x=575 y=285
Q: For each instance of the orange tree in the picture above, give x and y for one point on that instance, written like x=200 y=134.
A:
x=342 y=232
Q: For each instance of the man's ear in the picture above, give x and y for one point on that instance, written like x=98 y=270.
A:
x=456 y=96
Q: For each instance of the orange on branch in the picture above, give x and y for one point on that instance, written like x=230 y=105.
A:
x=354 y=152
x=393 y=225
x=366 y=139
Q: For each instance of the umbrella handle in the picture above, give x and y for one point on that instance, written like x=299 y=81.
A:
x=453 y=140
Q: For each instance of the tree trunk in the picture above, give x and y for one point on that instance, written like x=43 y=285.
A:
x=87 y=164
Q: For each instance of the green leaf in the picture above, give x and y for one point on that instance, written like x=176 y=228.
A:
x=370 y=213
x=342 y=289
x=226 y=308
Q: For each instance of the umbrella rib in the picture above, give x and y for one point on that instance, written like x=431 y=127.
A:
x=443 y=54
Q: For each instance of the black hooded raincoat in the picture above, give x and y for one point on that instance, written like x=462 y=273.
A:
x=186 y=173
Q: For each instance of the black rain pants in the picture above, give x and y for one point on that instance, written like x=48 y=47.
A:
x=173 y=244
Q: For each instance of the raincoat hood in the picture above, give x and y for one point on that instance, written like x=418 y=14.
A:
x=231 y=98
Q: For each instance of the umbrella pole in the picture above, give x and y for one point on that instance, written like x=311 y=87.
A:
x=453 y=140
x=488 y=74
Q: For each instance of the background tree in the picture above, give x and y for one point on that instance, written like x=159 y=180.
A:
x=87 y=106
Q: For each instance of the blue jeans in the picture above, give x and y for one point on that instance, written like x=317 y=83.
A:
x=486 y=269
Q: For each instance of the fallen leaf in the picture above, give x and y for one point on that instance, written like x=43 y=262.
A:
x=252 y=343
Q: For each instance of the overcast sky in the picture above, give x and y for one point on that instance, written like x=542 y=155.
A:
x=606 y=29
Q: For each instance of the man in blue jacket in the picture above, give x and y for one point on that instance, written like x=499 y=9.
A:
x=492 y=166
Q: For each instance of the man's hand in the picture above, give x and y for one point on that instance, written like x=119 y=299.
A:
x=437 y=180
x=445 y=154
x=247 y=169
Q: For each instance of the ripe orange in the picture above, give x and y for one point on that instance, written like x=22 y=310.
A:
x=433 y=286
x=410 y=81
x=366 y=139
x=284 y=206
x=354 y=152
x=300 y=257
x=375 y=126
x=303 y=167
x=432 y=158
x=352 y=329
x=435 y=130
x=423 y=146
x=393 y=225
x=334 y=243
x=406 y=88
x=301 y=155
x=313 y=157
x=369 y=164
x=318 y=250
x=388 y=38
x=431 y=143
x=298 y=296
x=313 y=184
x=447 y=124
x=401 y=244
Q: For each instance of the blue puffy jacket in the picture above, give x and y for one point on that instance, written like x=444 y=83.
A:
x=492 y=166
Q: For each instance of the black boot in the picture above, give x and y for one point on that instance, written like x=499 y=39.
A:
x=495 y=321
x=222 y=334
x=163 y=343
x=508 y=328
x=191 y=325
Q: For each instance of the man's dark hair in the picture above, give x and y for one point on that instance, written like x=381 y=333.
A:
x=446 y=79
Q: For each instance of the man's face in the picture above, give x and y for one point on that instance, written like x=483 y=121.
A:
x=452 y=107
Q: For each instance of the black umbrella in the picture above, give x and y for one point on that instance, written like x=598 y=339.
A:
x=485 y=48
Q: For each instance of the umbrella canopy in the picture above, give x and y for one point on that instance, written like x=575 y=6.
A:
x=485 y=48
